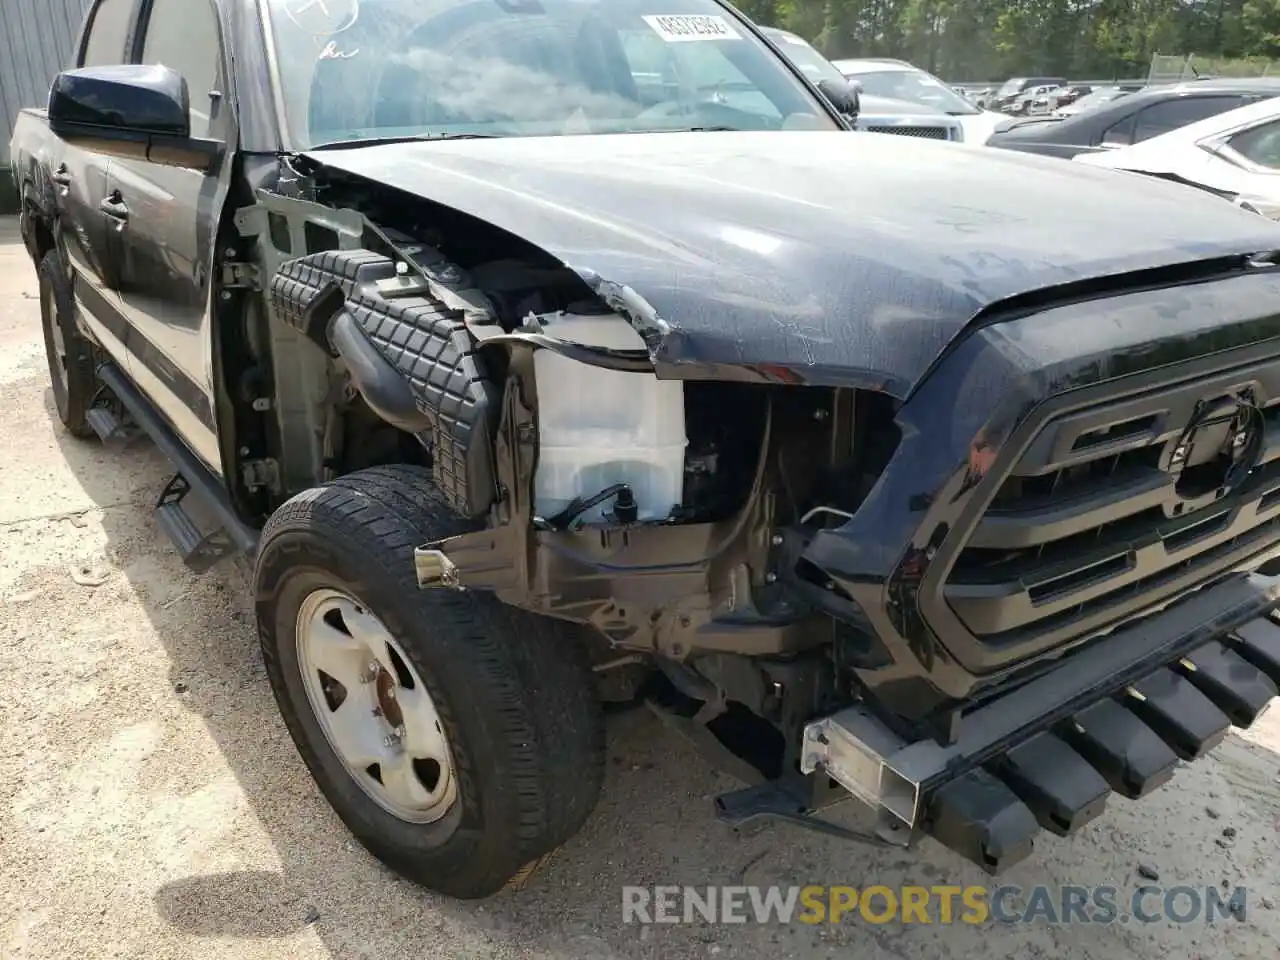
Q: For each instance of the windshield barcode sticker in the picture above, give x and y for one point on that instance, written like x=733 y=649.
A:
x=677 y=28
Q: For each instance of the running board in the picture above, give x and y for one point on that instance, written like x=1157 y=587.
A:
x=199 y=550
x=109 y=429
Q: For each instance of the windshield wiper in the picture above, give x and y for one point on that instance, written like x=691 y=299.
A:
x=688 y=130
x=411 y=138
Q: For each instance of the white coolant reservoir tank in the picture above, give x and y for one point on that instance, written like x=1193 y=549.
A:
x=599 y=427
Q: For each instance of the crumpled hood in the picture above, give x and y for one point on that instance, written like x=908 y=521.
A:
x=845 y=257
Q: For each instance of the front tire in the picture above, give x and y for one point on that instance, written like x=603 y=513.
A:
x=472 y=744
x=70 y=361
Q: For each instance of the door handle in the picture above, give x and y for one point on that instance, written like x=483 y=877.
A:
x=61 y=176
x=115 y=207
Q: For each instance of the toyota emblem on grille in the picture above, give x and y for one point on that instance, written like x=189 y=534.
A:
x=1219 y=447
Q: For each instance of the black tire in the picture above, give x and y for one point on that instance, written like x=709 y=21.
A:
x=71 y=366
x=514 y=692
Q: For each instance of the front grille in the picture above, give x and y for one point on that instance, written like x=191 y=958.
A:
x=930 y=133
x=1129 y=501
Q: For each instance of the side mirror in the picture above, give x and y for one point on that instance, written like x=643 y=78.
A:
x=131 y=111
x=845 y=95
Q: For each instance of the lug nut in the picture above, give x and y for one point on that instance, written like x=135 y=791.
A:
x=394 y=737
x=776 y=539
x=770 y=577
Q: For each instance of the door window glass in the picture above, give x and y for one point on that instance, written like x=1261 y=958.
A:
x=108 y=31
x=183 y=35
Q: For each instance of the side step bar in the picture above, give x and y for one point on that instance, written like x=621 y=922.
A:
x=109 y=429
x=199 y=551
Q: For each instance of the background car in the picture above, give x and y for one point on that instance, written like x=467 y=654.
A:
x=877 y=114
x=1132 y=119
x=1013 y=89
x=1094 y=98
x=1031 y=101
x=1234 y=154
x=887 y=115
x=1070 y=94
x=899 y=80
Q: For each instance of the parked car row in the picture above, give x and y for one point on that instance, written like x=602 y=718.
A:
x=1221 y=136
x=1131 y=118
x=894 y=96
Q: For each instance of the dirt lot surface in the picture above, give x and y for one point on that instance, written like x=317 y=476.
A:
x=152 y=805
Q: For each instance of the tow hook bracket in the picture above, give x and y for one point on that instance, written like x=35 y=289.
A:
x=784 y=801
x=434 y=570
x=855 y=749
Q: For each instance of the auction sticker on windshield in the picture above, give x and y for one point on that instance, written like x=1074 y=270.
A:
x=677 y=28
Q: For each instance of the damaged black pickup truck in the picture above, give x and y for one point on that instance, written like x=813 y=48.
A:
x=546 y=355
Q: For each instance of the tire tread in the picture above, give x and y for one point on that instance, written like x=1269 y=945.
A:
x=531 y=669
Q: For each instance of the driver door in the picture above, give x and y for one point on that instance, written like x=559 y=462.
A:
x=167 y=225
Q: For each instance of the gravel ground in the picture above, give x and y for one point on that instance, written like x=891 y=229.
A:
x=152 y=805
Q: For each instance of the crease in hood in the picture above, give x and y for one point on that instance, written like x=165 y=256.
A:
x=840 y=257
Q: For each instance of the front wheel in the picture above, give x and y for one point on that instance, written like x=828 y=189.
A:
x=70 y=361
x=459 y=740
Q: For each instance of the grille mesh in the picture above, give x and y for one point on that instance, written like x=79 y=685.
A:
x=928 y=133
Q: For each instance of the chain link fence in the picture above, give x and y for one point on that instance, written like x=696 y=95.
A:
x=1174 y=69
x=1166 y=69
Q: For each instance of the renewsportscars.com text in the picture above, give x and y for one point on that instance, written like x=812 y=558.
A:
x=938 y=904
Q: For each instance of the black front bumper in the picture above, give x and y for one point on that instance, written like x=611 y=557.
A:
x=1116 y=717
x=1113 y=718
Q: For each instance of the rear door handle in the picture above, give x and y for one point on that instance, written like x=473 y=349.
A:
x=60 y=176
x=115 y=207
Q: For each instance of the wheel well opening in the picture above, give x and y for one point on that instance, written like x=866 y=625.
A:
x=41 y=235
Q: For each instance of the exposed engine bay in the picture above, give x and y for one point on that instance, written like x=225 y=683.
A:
x=830 y=446
x=659 y=512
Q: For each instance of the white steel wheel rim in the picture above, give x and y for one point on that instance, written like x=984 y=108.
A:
x=49 y=307
x=374 y=709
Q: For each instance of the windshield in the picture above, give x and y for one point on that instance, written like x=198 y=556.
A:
x=915 y=86
x=813 y=64
x=375 y=69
